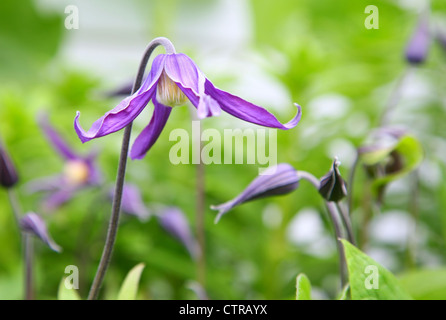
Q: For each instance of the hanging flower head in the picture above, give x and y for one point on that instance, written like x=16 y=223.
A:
x=79 y=171
x=418 y=46
x=173 y=80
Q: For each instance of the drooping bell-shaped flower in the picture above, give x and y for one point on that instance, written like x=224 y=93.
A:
x=79 y=171
x=276 y=180
x=34 y=224
x=418 y=46
x=132 y=203
x=8 y=173
x=173 y=80
x=332 y=185
x=175 y=223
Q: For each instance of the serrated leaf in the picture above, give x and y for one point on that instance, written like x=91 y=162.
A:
x=303 y=287
x=129 y=287
x=65 y=293
x=368 y=279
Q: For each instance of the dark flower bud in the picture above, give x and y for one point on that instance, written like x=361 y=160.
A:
x=332 y=186
x=418 y=46
x=277 y=180
x=34 y=224
x=8 y=174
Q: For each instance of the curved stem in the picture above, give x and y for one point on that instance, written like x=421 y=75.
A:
x=116 y=208
x=334 y=219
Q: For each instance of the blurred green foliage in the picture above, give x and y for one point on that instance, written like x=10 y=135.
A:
x=327 y=50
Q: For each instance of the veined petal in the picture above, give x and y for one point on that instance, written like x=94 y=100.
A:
x=150 y=134
x=208 y=107
x=55 y=139
x=247 y=111
x=127 y=110
x=182 y=70
x=277 y=180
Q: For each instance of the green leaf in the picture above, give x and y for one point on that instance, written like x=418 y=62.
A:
x=344 y=293
x=67 y=294
x=303 y=287
x=129 y=287
x=368 y=279
x=411 y=152
x=425 y=284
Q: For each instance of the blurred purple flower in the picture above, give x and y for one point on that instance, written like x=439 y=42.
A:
x=174 y=221
x=418 y=46
x=172 y=80
x=79 y=171
x=8 y=173
x=277 y=180
x=34 y=224
x=132 y=203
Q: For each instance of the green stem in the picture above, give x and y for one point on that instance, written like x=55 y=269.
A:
x=116 y=208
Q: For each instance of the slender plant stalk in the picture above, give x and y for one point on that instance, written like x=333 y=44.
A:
x=200 y=206
x=350 y=184
x=201 y=268
x=414 y=211
x=29 y=263
x=338 y=233
x=337 y=227
x=346 y=220
x=395 y=96
x=116 y=208
x=27 y=246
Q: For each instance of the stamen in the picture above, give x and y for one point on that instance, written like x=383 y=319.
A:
x=168 y=93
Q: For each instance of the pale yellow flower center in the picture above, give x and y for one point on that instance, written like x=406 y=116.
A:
x=76 y=172
x=168 y=93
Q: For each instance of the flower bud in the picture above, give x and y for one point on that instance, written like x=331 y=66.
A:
x=332 y=186
x=418 y=46
x=8 y=174
x=277 y=180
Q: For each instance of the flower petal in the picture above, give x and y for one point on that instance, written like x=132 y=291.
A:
x=132 y=203
x=55 y=139
x=34 y=224
x=127 y=110
x=247 y=111
x=182 y=70
x=173 y=221
x=56 y=199
x=150 y=134
x=277 y=180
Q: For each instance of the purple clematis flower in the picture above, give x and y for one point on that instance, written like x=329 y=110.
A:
x=174 y=222
x=332 y=185
x=282 y=180
x=132 y=203
x=79 y=171
x=173 y=79
x=34 y=224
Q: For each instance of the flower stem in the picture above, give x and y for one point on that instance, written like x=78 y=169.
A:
x=29 y=259
x=201 y=268
x=116 y=208
x=27 y=246
x=335 y=221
